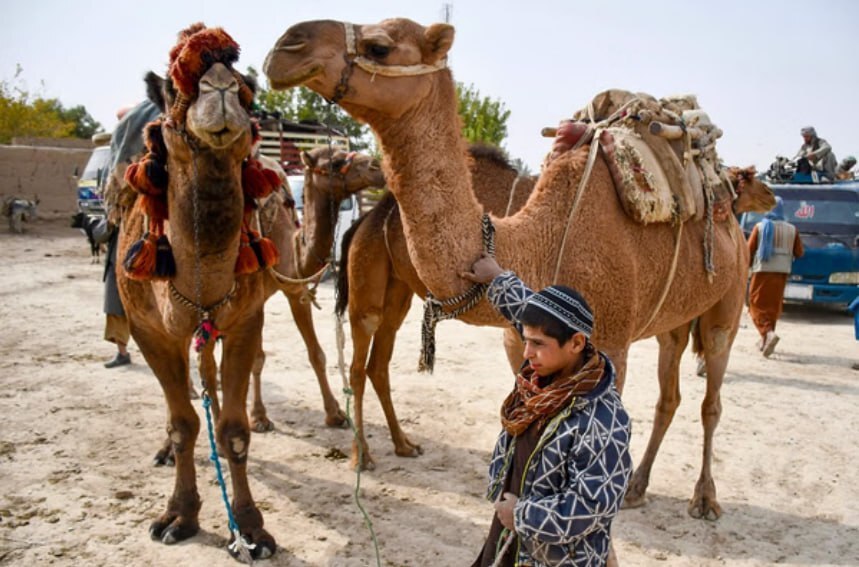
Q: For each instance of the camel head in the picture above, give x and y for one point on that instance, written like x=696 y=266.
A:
x=384 y=68
x=339 y=173
x=206 y=101
x=753 y=195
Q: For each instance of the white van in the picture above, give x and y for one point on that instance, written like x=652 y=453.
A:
x=348 y=213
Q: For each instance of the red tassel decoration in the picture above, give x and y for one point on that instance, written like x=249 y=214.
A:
x=139 y=262
x=247 y=262
x=258 y=182
x=269 y=256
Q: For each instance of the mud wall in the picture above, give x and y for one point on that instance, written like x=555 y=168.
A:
x=28 y=170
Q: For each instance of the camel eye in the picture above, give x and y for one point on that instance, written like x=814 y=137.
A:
x=378 y=51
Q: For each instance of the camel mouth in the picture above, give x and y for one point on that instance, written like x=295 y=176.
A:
x=280 y=81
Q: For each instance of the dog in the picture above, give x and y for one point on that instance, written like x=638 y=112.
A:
x=19 y=211
x=87 y=224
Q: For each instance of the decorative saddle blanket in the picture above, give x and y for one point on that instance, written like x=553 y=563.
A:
x=661 y=153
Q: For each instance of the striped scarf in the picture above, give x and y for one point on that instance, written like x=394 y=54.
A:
x=529 y=402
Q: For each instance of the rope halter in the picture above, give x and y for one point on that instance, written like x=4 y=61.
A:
x=353 y=59
x=434 y=308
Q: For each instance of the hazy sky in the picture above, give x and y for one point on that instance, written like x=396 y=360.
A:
x=761 y=69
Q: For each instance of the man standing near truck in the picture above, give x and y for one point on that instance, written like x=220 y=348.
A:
x=773 y=244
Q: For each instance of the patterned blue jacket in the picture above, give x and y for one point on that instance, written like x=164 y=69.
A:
x=577 y=475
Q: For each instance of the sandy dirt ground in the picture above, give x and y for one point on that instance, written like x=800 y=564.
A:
x=76 y=442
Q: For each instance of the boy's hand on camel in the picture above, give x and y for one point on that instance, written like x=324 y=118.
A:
x=483 y=270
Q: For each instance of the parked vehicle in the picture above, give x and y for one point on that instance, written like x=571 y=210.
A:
x=827 y=218
x=89 y=182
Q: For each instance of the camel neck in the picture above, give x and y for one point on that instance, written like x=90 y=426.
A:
x=320 y=218
x=205 y=205
x=428 y=174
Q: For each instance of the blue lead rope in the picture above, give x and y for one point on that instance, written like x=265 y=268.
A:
x=239 y=546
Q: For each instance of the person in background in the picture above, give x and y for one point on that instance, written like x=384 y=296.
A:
x=126 y=144
x=815 y=157
x=561 y=463
x=773 y=244
x=842 y=172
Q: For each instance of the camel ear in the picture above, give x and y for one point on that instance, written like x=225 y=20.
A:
x=439 y=39
x=307 y=159
x=155 y=89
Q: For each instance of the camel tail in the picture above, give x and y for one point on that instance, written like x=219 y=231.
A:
x=342 y=301
x=697 y=341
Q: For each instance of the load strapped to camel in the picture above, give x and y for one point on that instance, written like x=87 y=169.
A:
x=661 y=154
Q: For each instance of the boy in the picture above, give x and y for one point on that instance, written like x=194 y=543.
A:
x=561 y=463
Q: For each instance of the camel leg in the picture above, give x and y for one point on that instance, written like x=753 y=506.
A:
x=233 y=429
x=259 y=417
x=397 y=301
x=169 y=363
x=208 y=373
x=671 y=347
x=303 y=316
x=618 y=359
x=363 y=329
x=717 y=336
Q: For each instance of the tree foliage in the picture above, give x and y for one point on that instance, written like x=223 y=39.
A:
x=23 y=114
x=483 y=119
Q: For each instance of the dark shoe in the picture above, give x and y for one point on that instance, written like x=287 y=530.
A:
x=118 y=360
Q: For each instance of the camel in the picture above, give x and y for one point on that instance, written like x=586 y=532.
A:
x=193 y=182
x=330 y=176
x=393 y=76
x=377 y=281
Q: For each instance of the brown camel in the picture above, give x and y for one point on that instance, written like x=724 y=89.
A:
x=330 y=176
x=393 y=76
x=204 y=141
x=377 y=280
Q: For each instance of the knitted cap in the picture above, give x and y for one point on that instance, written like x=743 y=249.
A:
x=809 y=130
x=569 y=308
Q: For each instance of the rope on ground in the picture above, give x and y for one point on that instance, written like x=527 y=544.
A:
x=341 y=364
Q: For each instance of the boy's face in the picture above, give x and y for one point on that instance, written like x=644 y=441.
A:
x=546 y=356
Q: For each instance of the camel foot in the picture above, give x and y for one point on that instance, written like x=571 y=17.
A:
x=636 y=492
x=408 y=449
x=631 y=501
x=369 y=463
x=261 y=542
x=704 y=509
x=261 y=424
x=171 y=528
x=164 y=457
x=336 y=419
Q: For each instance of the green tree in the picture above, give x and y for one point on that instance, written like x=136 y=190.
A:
x=25 y=115
x=483 y=119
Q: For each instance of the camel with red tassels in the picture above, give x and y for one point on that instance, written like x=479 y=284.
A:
x=193 y=268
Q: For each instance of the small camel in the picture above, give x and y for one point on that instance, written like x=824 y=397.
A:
x=377 y=281
x=204 y=141
x=393 y=76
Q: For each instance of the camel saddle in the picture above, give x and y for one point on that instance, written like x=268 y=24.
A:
x=661 y=153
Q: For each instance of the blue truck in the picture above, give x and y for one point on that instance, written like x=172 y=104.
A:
x=827 y=218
